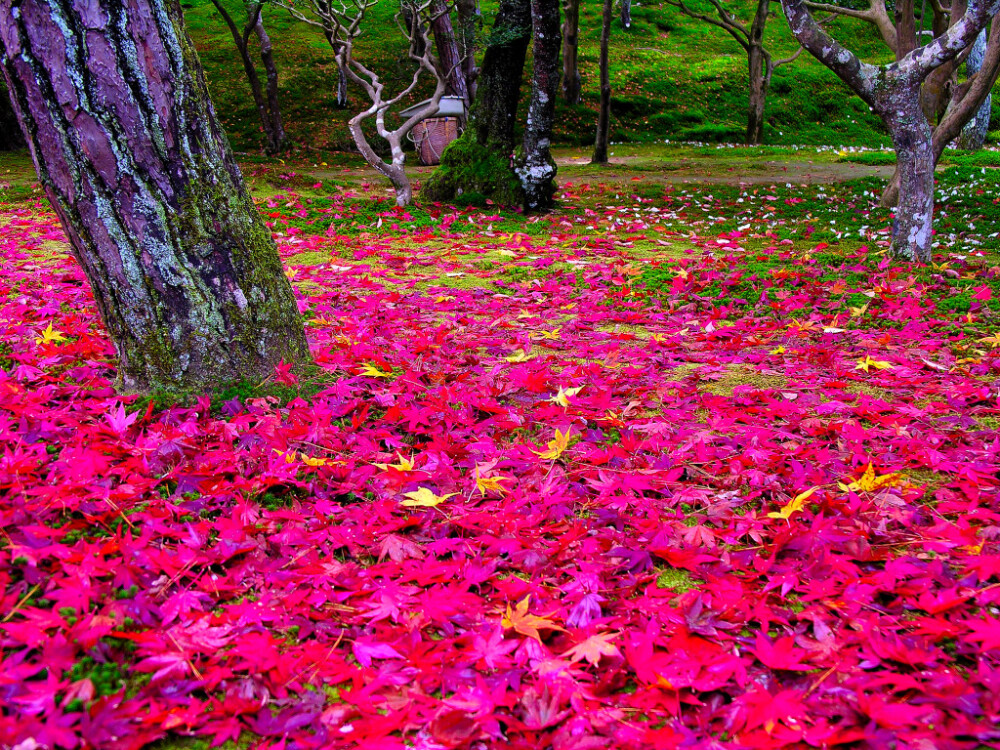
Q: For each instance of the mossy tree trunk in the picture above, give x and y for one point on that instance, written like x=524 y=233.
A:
x=626 y=14
x=536 y=167
x=480 y=161
x=112 y=100
x=973 y=135
x=604 y=112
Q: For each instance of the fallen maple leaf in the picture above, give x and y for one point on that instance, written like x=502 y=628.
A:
x=794 y=505
x=518 y=356
x=868 y=362
x=525 y=623
x=424 y=498
x=594 y=648
x=373 y=372
x=310 y=461
x=490 y=484
x=556 y=446
x=50 y=336
x=405 y=464
x=868 y=482
x=563 y=396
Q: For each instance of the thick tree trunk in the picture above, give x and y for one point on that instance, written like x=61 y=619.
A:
x=604 y=112
x=570 y=51
x=626 y=14
x=276 y=136
x=974 y=133
x=912 y=139
x=760 y=79
x=447 y=50
x=113 y=102
x=10 y=133
x=537 y=168
x=480 y=161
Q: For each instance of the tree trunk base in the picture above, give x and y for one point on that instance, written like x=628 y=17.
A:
x=470 y=172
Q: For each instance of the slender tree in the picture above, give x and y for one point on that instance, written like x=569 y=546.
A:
x=604 y=112
x=265 y=97
x=626 y=14
x=750 y=36
x=536 y=168
x=570 y=54
x=112 y=101
x=894 y=92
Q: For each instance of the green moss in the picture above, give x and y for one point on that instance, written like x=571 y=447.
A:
x=470 y=168
x=677 y=580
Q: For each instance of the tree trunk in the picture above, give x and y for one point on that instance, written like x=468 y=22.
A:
x=10 y=132
x=760 y=79
x=537 y=168
x=974 y=133
x=113 y=102
x=468 y=19
x=912 y=139
x=626 y=14
x=571 y=60
x=275 y=126
x=480 y=161
x=448 y=54
x=604 y=113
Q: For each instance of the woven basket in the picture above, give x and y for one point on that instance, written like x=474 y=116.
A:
x=432 y=136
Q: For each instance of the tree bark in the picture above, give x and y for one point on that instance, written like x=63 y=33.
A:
x=604 y=112
x=113 y=102
x=973 y=135
x=468 y=19
x=537 y=168
x=626 y=14
x=571 y=58
x=447 y=49
x=912 y=140
x=759 y=83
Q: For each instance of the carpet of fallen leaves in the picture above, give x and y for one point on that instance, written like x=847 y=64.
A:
x=603 y=483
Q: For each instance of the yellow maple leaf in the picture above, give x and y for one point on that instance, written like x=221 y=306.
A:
x=527 y=624
x=562 y=398
x=49 y=336
x=777 y=351
x=868 y=362
x=490 y=484
x=507 y=253
x=552 y=335
x=405 y=464
x=556 y=446
x=424 y=498
x=857 y=312
x=444 y=298
x=518 y=356
x=993 y=341
x=310 y=461
x=868 y=482
x=794 y=505
x=373 y=372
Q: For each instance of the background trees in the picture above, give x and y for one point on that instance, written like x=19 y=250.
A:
x=128 y=149
x=267 y=102
x=750 y=36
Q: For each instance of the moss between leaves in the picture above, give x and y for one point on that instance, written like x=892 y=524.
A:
x=677 y=580
x=742 y=375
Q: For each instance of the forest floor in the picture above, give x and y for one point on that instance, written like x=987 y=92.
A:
x=674 y=465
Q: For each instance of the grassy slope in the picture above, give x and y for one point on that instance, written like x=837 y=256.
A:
x=673 y=78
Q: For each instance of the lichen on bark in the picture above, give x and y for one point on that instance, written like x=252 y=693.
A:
x=134 y=162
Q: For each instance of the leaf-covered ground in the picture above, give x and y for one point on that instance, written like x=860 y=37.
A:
x=668 y=468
